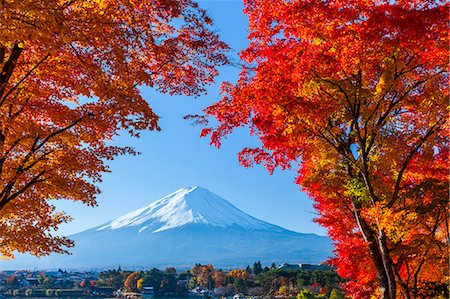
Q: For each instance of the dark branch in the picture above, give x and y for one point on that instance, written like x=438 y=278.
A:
x=23 y=79
x=9 y=66
x=408 y=158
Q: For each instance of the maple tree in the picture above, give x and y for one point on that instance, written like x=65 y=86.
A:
x=205 y=275
x=238 y=273
x=70 y=72
x=355 y=93
x=131 y=283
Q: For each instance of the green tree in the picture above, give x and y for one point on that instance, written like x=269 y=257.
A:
x=257 y=268
x=248 y=269
x=153 y=279
x=48 y=282
x=192 y=282
x=40 y=278
x=306 y=294
x=113 y=278
x=336 y=294
x=170 y=270
x=239 y=285
x=168 y=283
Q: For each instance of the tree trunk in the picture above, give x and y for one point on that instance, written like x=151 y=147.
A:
x=387 y=265
x=380 y=256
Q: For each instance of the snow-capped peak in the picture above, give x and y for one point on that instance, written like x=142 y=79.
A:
x=187 y=206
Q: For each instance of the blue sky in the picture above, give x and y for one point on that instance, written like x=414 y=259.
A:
x=177 y=157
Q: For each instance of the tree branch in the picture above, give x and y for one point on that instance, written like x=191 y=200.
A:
x=23 y=79
x=9 y=66
x=408 y=158
x=36 y=179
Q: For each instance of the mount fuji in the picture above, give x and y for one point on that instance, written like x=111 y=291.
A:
x=188 y=226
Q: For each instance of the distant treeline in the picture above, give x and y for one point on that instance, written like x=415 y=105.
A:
x=251 y=281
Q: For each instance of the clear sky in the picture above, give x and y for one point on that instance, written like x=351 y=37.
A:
x=177 y=157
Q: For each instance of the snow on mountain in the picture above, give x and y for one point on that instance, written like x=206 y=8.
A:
x=185 y=206
x=191 y=225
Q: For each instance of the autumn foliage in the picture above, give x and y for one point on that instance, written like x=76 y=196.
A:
x=70 y=72
x=131 y=282
x=242 y=274
x=356 y=94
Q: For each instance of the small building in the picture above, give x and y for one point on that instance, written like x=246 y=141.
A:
x=315 y=267
x=182 y=282
x=286 y=266
x=148 y=292
x=32 y=281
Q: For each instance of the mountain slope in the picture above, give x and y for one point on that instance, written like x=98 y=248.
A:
x=187 y=206
x=191 y=225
